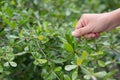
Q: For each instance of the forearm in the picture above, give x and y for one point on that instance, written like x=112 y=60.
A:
x=115 y=17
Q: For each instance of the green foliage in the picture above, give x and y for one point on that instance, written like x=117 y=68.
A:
x=36 y=41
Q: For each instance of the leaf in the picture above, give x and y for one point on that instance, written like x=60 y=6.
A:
x=9 y=12
x=36 y=62
x=69 y=38
x=85 y=71
x=13 y=36
x=84 y=55
x=66 y=77
x=6 y=64
x=101 y=63
x=111 y=73
x=98 y=53
x=20 y=53
x=11 y=56
x=13 y=64
x=108 y=62
x=13 y=2
x=70 y=67
x=87 y=77
x=40 y=37
x=58 y=69
x=74 y=75
x=101 y=74
x=1 y=68
x=59 y=60
x=79 y=61
x=13 y=24
x=42 y=61
x=75 y=23
x=106 y=43
x=68 y=47
x=36 y=14
x=36 y=55
x=26 y=48
x=45 y=40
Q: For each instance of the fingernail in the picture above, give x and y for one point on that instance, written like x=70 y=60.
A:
x=73 y=33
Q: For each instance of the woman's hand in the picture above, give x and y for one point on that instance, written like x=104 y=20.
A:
x=91 y=25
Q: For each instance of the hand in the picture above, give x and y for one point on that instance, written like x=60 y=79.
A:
x=91 y=25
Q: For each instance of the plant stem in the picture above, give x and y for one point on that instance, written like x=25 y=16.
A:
x=41 y=50
x=56 y=75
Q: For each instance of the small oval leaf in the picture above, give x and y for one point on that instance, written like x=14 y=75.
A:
x=13 y=64
x=101 y=63
x=101 y=74
x=6 y=64
x=70 y=67
x=79 y=61
x=74 y=75
x=1 y=68
x=68 y=47
x=66 y=77
x=87 y=77
x=58 y=69
x=42 y=61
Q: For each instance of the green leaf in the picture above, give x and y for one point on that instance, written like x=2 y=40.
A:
x=75 y=23
x=9 y=11
x=58 y=69
x=84 y=55
x=106 y=43
x=70 y=67
x=20 y=53
x=101 y=74
x=11 y=56
x=13 y=36
x=69 y=38
x=26 y=48
x=41 y=61
x=68 y=47
x=74 y=75
x=59 y=60
x=80 y=60
x=13 y=64
x=111 y=73
x=1 y=68
x=66 y=77
x=87 y=77
x=101 y=63
x=98 y=53
x=6 y=64
x=36 y=55
x=108 y=62
x=13 y=2
x=85 y=71
x=36 y=62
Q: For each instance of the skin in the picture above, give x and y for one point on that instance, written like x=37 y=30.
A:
x=91 y=25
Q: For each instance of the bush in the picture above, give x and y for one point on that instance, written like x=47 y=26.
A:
x=36 y=41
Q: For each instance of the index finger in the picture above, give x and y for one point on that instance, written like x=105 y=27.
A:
x=79 y=24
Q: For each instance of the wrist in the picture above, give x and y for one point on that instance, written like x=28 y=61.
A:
x=114 y=17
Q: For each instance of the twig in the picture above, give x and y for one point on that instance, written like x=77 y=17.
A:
x=41 y=49
x=56 y=75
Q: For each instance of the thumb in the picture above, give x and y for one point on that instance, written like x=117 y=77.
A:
x=81 y=31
